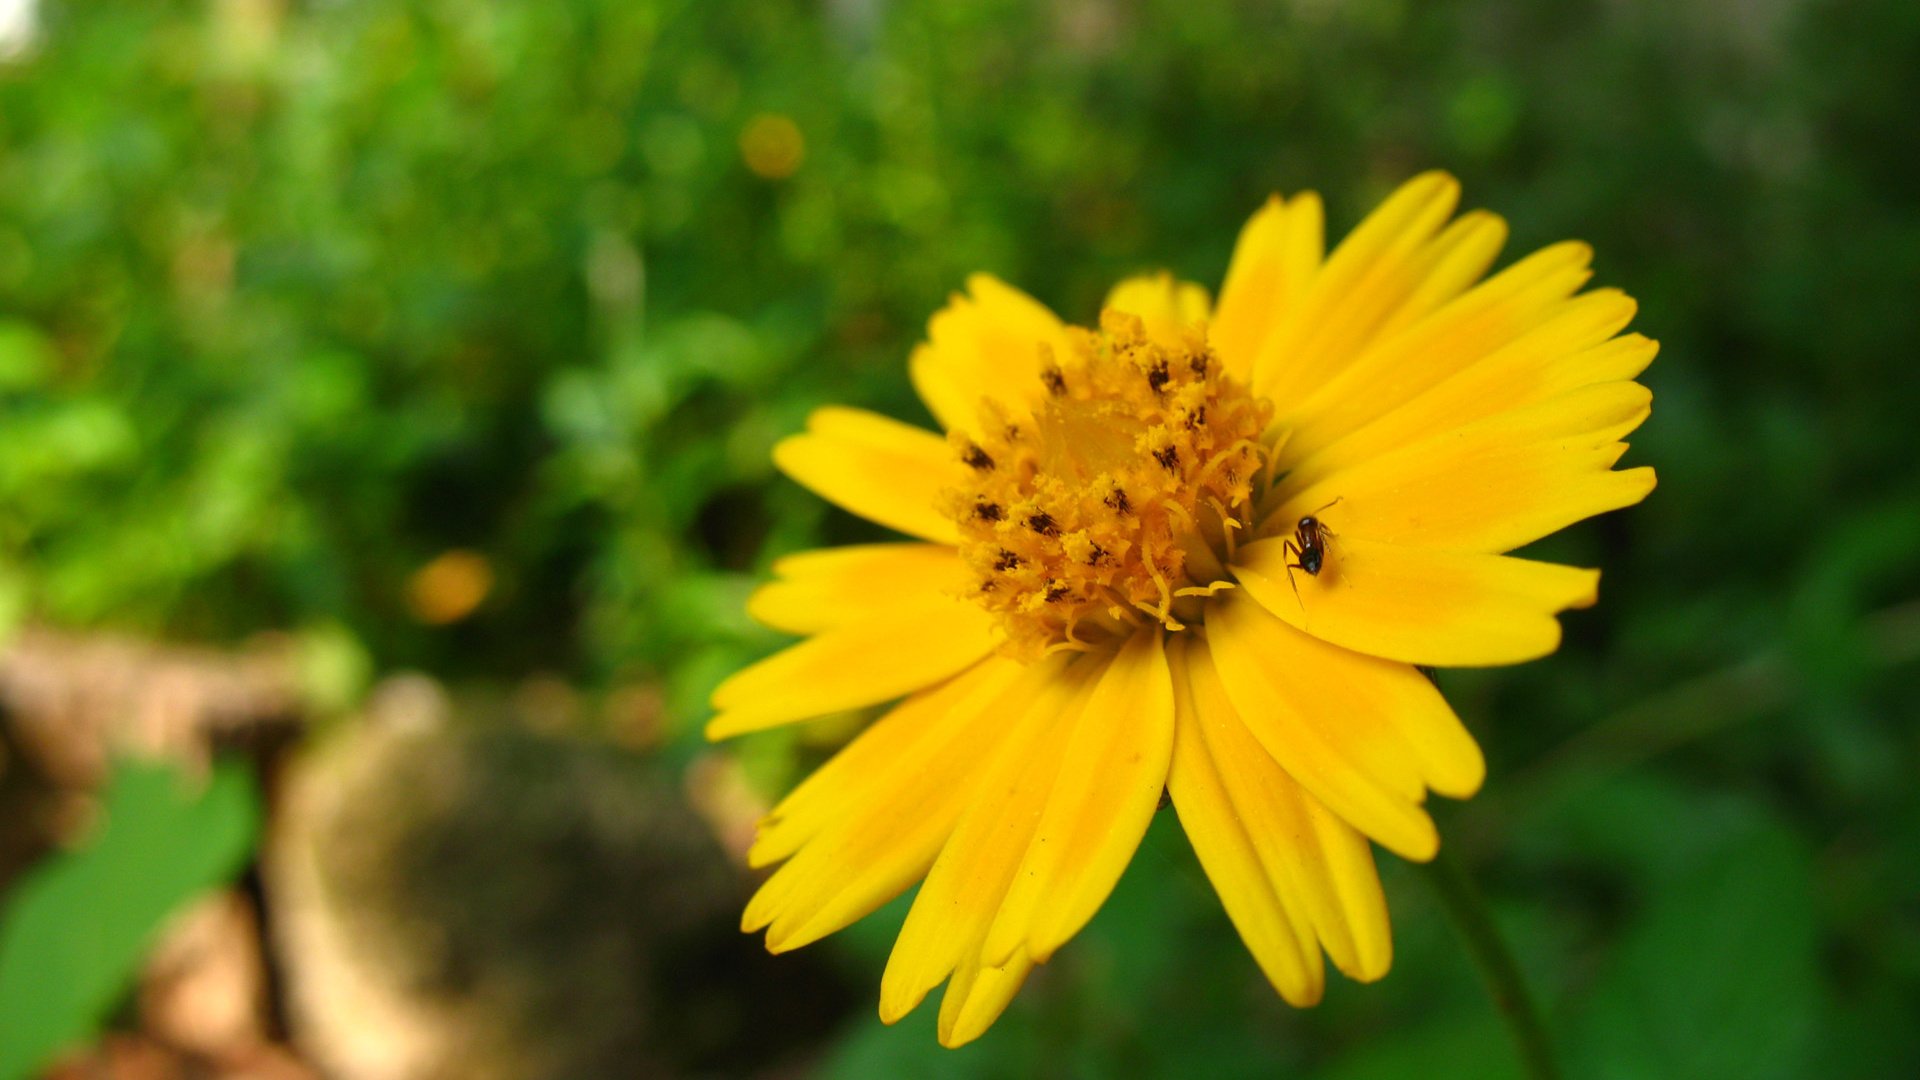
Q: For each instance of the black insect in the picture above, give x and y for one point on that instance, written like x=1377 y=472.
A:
x=1308 y=547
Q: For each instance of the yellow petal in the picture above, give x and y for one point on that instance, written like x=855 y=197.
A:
x=1169 y=308
x=977 y=996
x=1270 y=921
x=1109 y=786
x=962 y=893
x=984 y=343
x=1374 y=270
x=881 y=469
x=1366 y=736
x=859 y=664
x=917 y=733
x=840 y=879
x=1564 y=352
x=888 y=831
x=1490 y=486
x=1400 y=366
x=1447 y=267
x=819 y=590
x=1308 y=853
x=1273 y=263
x=1418 y=605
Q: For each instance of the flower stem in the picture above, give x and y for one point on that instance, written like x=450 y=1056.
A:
x=1468 y=909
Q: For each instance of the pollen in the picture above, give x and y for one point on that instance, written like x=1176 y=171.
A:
x=1118 y=499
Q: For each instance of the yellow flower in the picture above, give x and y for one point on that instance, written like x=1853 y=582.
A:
x=1200 y=549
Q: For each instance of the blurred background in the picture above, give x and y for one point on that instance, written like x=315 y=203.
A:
x=386 y=391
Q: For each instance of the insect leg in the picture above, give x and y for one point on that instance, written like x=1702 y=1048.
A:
x=1289 y=547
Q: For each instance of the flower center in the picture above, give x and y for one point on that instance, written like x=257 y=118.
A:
x=1117 y=500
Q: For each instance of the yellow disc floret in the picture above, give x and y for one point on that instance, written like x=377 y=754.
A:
x=1117 y=497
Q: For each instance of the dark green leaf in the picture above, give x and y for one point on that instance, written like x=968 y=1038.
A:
x=1718 y=977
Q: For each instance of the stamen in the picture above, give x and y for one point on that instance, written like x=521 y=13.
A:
x=1162 y=615
x=1053 y=379
x=1068 y=645
x=1228 y=526
x=1158 y=376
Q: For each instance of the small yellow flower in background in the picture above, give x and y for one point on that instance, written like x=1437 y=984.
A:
x=772 y=146
x=1201 y=548
x=449 y=587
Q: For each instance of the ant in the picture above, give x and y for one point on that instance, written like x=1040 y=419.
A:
x=1308 y=546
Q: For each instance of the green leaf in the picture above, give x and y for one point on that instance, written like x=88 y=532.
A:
x=1719 y=976
x=1466 y=1046
x=871 y=1050
x=79 y=925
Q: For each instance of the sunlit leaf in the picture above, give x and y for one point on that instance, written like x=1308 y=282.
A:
x=77 y=927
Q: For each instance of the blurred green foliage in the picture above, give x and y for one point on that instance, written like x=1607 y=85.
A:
x=74 y=932
x=299 y=296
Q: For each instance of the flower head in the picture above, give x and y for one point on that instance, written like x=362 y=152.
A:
x=1201 y=549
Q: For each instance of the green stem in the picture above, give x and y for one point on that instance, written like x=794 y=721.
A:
x=1468 y=909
